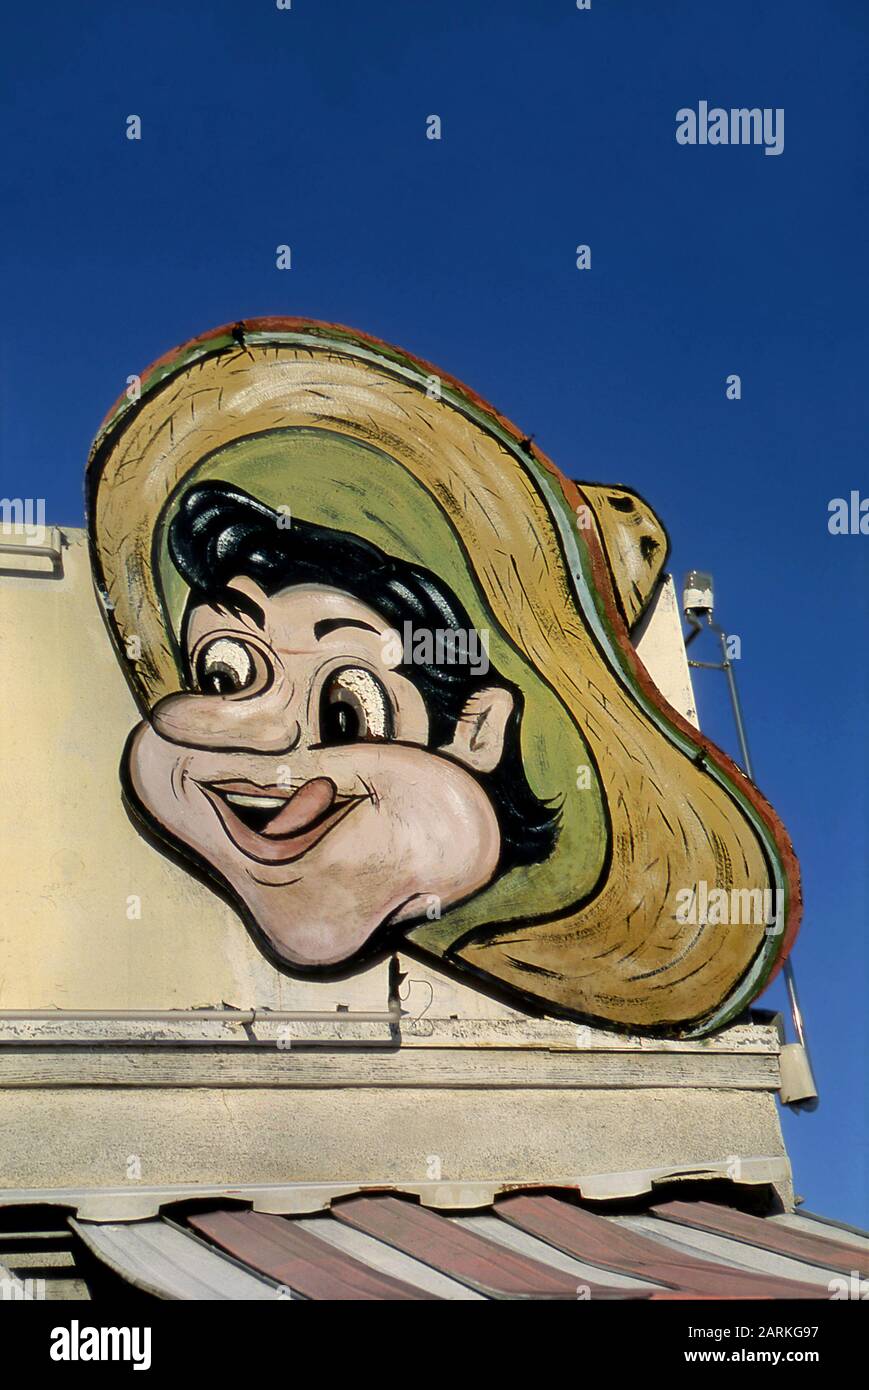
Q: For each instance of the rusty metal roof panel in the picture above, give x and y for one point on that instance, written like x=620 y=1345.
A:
x=506 y=1234
x=688 y=1242
x=463 y=1254
x=603 y=1242
x=295 y=1258
x=818 y=1249
x=386 y=1258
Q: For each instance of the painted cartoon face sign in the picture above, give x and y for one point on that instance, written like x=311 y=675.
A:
x=300 y=765
x=389 y=693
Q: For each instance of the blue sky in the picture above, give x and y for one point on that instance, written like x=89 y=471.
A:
x=307 y=127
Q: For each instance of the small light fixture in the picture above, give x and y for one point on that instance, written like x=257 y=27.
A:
x=697 y=594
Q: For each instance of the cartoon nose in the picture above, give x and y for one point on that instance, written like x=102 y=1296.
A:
x=239 y=726
x=304 y=807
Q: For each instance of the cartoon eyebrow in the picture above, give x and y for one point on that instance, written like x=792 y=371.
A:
x=327 y=625
x=239 y=604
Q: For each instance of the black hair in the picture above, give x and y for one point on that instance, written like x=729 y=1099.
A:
x=220 y=533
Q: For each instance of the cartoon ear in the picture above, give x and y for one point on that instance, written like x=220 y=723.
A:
x=479 y=738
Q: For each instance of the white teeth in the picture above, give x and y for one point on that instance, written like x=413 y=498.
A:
x=259 y=803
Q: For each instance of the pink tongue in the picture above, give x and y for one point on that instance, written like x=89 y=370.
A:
x=306 y=805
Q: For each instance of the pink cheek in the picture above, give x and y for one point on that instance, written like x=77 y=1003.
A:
x=156 y=771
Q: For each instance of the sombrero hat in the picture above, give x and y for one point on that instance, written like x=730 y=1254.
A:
x=341 y=430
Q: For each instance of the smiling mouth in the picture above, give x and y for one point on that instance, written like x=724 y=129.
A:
x=276 y=825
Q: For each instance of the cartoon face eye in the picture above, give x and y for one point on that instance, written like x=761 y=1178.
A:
x=224 y=666
x=354 y=706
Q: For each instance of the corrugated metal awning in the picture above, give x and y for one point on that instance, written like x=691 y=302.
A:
x=524 y=1246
